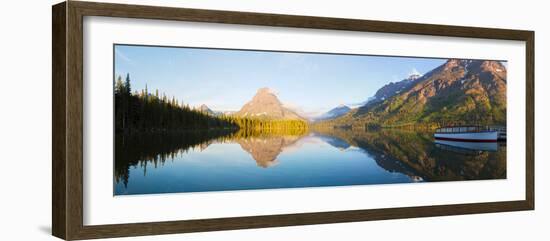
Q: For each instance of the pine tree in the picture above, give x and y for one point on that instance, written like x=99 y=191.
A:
x=119 y=86
x=127 y=87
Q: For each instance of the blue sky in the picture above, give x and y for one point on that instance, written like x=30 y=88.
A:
x=225 y=80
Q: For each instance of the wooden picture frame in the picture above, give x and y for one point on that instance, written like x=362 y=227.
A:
x=67 y=124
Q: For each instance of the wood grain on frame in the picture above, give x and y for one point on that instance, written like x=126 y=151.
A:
x=67 y=123
x=58 y=121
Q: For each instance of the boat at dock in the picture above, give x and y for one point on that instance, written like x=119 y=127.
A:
x=467 y=134
x=501 y=132
x=465 y=147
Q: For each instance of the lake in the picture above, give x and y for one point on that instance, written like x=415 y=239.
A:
x=201 y=161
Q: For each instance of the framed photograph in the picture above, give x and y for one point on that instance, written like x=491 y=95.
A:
x=171 y=120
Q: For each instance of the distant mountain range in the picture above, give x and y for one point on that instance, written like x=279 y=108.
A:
x=459 y=90
x=334 y=113
x=205 y=109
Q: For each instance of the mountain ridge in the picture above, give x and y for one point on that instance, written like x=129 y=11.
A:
x=468 y=91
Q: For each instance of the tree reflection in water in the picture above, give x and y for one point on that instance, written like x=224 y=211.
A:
x=415 y=154
x=155 y=148
x=411 y=153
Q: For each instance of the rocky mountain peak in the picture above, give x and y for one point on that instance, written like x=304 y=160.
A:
x=266 y=104
x=456 y=62
x=494 y=67
x=265 y=95
x=475 y=65
x=264 y=90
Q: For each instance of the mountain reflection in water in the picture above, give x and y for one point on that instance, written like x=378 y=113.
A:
x=237 y=160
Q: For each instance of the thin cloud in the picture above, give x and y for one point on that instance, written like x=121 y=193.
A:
x=300 y=111
x=414 y=71
x=296 y=62
x=120 y=54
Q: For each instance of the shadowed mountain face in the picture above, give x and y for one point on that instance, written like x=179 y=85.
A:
x=265 y=104
x=457 y=92
x=392 y=89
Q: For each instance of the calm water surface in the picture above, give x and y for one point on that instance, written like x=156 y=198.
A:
x=217 y=161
